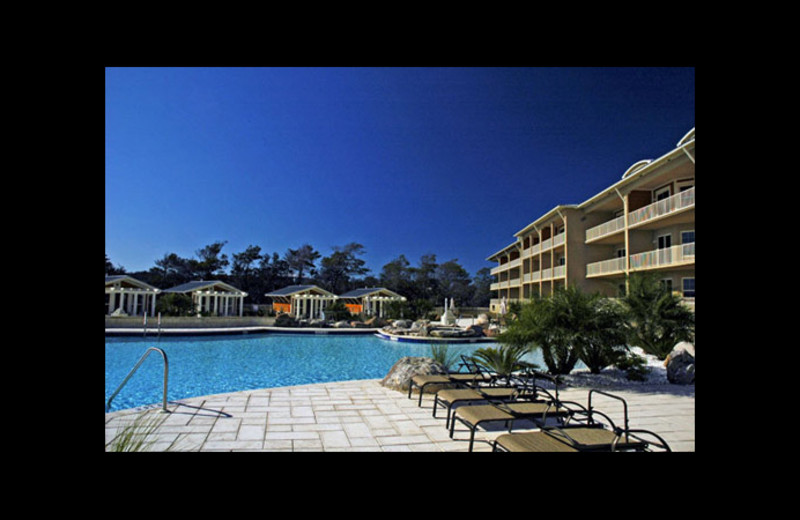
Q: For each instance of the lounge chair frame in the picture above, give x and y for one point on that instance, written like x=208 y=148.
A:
x=513 y=389
x=622 y=439
x=515 y=408
x=471 y=378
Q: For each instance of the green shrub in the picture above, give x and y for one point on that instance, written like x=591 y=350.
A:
x=656 y=319
x=635 y=367
x=285 y=320
x=504 y=360
x=175 y=304
x=441 y=354
x=337 y=311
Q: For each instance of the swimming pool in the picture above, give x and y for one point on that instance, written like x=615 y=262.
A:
x=204 y=365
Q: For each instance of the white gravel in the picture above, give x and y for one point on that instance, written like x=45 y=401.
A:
x=613 y=377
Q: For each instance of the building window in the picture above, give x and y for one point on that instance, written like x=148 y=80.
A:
x=665 y=241
x=688 y=287
x=687 y=237
x=621 y=253
x=662 y=193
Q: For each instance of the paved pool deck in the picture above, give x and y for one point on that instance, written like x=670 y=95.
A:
x=362 y=415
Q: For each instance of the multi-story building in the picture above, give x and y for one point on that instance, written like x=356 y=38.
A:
x=644 y=222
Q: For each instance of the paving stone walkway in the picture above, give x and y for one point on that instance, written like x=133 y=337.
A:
x=364 y=416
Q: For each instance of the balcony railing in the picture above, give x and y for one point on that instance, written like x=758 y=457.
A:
x=615 y=265
x=508 y=265
x=677 y=202
x=606 y=228
x=667 y=257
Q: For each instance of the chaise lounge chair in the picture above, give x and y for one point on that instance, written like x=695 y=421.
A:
x=515 y=388
x=472 y=377
x=589 y=436
x=532 y=402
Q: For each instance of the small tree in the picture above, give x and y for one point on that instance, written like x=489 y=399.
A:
x=656 y=319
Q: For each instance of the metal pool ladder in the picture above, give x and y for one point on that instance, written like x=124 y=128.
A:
x=135 y=368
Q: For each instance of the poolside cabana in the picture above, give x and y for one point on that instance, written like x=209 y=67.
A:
x=214 y=297
x=371 y=301
x=127 y=295
x=301 y=301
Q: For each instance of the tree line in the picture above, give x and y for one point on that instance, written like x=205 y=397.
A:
x=257 y=273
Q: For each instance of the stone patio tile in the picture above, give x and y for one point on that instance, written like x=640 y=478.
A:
x=334 y=439
x=357 y=429
x=290 y=436
x=250 y=433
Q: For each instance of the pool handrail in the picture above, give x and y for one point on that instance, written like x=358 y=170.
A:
x=135 y=368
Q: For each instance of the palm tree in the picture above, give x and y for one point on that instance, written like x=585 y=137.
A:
x=656 y=318
x=603 y=341
x=503 y=361
x=568 y=326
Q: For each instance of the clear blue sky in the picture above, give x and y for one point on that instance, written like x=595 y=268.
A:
x=449 y=161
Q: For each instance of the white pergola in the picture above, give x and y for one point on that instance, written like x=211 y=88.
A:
x=214 y=297
x=302 y=301
x=130 y=296
x=372 y=300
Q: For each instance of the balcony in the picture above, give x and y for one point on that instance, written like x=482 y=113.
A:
x=605 y=229
x=671 y=205
x=674 y=256
x=678 y=202
x=508 y=265
x=668 y=257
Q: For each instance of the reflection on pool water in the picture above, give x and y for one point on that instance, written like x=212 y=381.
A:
x=204 y=365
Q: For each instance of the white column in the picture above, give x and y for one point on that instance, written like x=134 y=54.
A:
x=240 y=301
x=153 y=306
x=112 y=300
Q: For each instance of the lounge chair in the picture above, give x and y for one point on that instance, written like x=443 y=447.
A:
x=532 y=402
x=472 y=377
x=514 y=388
x=591 y=435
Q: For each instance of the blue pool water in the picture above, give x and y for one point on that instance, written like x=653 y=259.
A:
x=203 y=365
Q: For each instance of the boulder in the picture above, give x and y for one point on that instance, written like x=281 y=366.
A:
x=285 y=320
x=477 y=329
x=491 y=332
x=402 y=324
x=358 y=325
x=399 y=376
x=451 y=332
x=375 y=322
x=680 y=364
